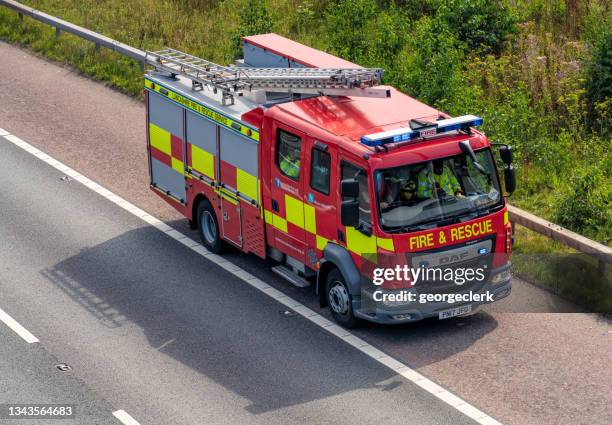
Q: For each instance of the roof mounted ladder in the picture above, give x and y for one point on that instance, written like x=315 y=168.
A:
x=232 y=80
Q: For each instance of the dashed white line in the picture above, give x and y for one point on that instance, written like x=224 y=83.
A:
x=125 y=417
x=15 y=326
x=401 y=369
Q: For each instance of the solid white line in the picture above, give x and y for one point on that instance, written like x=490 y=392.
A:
x=345 y=335
x=125 y=417
x=15 y=326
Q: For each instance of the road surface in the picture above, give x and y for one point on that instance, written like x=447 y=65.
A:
x=520 y=368
x=158 y=331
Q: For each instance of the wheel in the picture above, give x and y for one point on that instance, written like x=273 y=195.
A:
x=208 y=227
x=339 y=299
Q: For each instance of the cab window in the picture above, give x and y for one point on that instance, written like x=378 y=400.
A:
x=319 y=171
x=350 y=171
x=288 y=148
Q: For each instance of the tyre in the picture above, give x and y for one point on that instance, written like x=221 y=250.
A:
x=339 y=299
x=208 y=227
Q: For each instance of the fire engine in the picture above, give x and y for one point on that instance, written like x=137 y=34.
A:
x=300 y=156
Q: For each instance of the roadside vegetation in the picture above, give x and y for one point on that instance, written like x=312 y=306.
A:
x=538 y=71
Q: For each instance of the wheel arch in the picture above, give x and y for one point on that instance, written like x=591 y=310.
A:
x=199 y=198
x=337 y=257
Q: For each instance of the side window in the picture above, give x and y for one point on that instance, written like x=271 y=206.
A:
x=288 y=147
x=320 y=164
x=350 y=171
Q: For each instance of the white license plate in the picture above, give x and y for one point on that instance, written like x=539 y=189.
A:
x=457 y=311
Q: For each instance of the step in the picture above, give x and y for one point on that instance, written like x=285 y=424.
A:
x=286 y=273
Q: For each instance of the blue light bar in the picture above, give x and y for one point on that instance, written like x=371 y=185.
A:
x=406 y=134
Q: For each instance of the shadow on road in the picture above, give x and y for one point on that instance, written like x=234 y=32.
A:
x=196 y=313
x=213 y=322
x=417 y=344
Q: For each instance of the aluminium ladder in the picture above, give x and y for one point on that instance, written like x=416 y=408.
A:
x=232 y=80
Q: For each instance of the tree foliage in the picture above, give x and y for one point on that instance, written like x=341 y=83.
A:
x=430 y=64
x=484 y=25
x=598 y=84
x=346 y=22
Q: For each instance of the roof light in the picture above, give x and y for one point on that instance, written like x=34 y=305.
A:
x=406 y=134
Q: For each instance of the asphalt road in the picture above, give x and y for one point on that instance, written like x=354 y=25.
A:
x=29 y=375
x=163 y=333
x=521 y=368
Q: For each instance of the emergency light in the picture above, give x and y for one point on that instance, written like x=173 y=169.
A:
x=405 y=134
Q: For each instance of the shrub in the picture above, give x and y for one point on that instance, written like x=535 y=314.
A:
x=386 y=36
x=599 y=85
x=429 y=65
x=596 y=21
x=586 y=206
x=483 y=25
x=346 y=21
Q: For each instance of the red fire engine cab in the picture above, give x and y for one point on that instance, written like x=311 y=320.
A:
x=303 y=157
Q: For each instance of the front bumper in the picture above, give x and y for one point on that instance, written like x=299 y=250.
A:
x=412 y=313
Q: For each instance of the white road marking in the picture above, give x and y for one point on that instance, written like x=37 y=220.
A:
x=15 y=326
x=345 y=335
x=125 y=417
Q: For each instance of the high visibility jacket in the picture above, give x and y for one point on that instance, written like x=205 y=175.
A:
x=289 y=167
x=447 y=182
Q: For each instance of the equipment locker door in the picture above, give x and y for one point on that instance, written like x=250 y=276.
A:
x=166 y=146
x=231 y=220
x=238 y=176
x=287 y=189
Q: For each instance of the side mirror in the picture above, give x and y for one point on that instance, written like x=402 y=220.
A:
x=349 y=188
x=510 y=179
x=505 y=152
x=349 y=213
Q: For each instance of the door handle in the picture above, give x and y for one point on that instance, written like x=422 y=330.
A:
x=275 y=205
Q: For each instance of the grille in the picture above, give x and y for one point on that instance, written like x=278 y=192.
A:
x=442 y=286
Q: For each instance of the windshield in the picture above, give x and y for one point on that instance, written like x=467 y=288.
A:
x=436 y=193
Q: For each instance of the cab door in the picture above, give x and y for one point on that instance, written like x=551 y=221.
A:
x=287 y=190
x=320 y=200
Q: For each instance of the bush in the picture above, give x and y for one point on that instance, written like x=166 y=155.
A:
x=483 y=25
x=599 y=86
x=586 y=206
x=346 y=22
x=386 y=36
x=597 y=20
x=429 y=66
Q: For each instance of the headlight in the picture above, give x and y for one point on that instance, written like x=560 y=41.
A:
x=501 y=277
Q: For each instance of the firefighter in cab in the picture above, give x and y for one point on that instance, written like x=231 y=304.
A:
x=443 y=181
x=289 y=162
